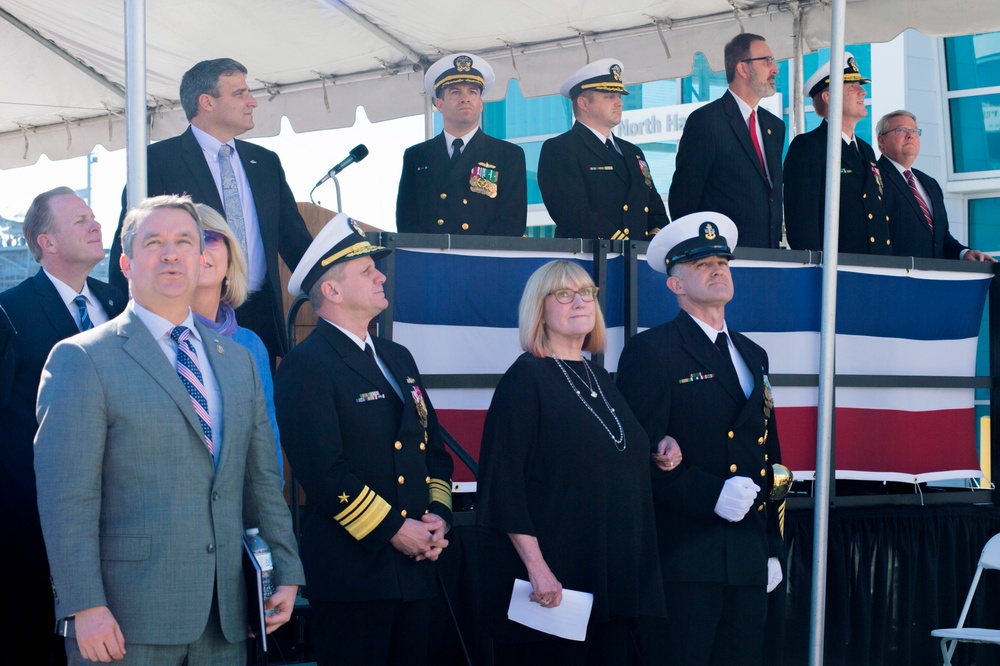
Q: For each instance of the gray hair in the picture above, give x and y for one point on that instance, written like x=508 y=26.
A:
x=39 y=219
x=203 y=79
x=883 y=124
x=147 y=207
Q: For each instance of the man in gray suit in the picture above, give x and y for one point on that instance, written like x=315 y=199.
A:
x=153 y=452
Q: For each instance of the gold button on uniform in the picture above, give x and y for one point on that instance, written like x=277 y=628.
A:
x=444 y=196
x=465 y=226
x=760 y=508
x=870 y=216
x=763 y=472
x=864 y=196
x=400 y=480
x=422 y=446
x=760 y=440
x=427 y=480
x=625 y=207
x=399 y=445
x=731 y=434
x=765 y=457
x=645 y=209
x=440 y=222
x=465 y=201
x=403 y=513
x=732 y=468
x=871 y=239
x=625 y=231
x=888 y=241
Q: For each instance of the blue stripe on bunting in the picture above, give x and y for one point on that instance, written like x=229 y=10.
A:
x=458 y=290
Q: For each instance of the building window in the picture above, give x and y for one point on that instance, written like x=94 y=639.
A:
x=973 y=68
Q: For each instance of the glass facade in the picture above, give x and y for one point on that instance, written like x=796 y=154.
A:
x=973 y=72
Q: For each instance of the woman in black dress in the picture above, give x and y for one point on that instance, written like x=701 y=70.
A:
x=564 y=484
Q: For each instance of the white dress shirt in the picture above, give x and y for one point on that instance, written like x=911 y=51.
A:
x=94 y=308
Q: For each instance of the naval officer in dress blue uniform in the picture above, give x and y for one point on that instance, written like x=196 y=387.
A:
x=864 y=219
x=363 y=438
x=462 y=181
x=697 y=381
x=594 y=184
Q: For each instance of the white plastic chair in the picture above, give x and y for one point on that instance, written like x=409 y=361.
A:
x=990 y=559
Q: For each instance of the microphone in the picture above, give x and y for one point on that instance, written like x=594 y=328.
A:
x=358 y=153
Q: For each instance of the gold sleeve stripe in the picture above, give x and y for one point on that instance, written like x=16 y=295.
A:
x=364 y=514
x=440 y=491
x=781 y=518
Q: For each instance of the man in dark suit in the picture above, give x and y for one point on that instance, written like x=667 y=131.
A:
x=462 y=181
x=918 y=219
x=729 y=157
x=241 y=180
x=154 y=452
x=596 y=185
x=363 y=438
x=864 y=221
x=705 y=386
x=65 y=239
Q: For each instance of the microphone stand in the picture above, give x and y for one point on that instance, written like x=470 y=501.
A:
x=336 y=184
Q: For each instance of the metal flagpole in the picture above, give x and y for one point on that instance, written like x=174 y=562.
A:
x=828 y=329
x=135 y=99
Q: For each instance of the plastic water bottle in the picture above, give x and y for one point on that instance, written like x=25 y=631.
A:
x=262 y=553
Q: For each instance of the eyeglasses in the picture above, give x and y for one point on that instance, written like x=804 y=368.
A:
x=768 y=60
x=214 y=238
x=566 y=296
x=903 y=131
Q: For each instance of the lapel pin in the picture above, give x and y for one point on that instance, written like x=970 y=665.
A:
x=218 y=347
x=253 y=161
x=411 y=380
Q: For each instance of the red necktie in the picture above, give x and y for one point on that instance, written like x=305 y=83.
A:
x=920 y=200
x=753 y=137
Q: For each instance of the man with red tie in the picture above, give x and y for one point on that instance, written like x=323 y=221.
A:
x=918 y=219
x=729 y=157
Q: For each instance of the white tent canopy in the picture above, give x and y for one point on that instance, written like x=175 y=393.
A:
x=316 y=61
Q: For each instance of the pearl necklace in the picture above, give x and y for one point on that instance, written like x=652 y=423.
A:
x=620 y=443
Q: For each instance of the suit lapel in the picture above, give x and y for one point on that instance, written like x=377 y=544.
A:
x=742 y=131
x=112 y=307
x=53 y=307
x=890 y=172
x=772 y=144
x=146 y=352
x=222 y=367
x=194 y=158
x=704 y=351
x=600 y=150
x=353 y=357
x=754 y=365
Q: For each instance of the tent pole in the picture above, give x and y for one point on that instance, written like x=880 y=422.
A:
x=428 y=118
x=824 y=437
x=798 y=77
x=135 y=100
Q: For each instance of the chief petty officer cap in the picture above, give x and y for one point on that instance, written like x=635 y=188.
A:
x=339 y=241
x=458 y=68
x=820 y=81
x=690 y=238
x=604 y=75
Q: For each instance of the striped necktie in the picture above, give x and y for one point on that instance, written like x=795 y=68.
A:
x=187 y=370
x=920 y=200
x=81 y=306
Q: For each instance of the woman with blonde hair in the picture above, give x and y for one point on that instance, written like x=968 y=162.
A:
x=223 y=286
x=564 y=496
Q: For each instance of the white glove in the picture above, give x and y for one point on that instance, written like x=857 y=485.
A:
x=774 y=576
x=736 y=498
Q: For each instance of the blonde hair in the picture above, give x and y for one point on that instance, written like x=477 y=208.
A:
x=559 y=274
x=236 y=286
